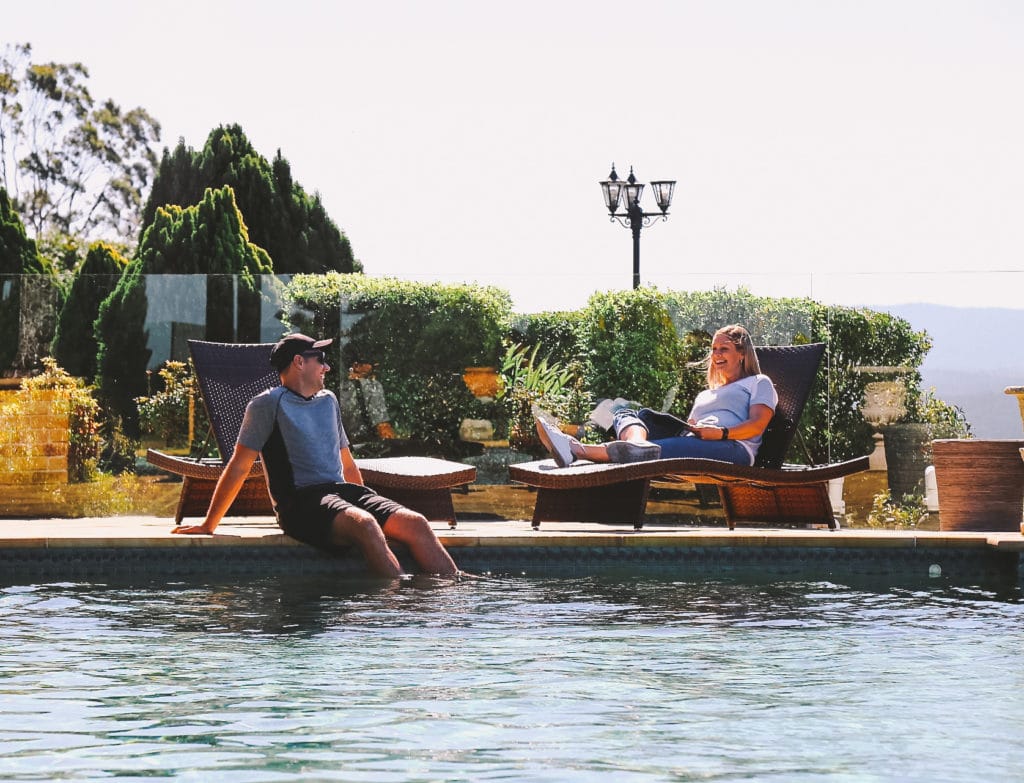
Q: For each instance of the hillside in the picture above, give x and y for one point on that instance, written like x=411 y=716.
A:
x=976 y=353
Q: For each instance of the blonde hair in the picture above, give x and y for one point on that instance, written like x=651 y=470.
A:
x=740 y=338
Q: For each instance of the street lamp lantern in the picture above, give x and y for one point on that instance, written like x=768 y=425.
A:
x=634 y=190
x=663 y=189
x=612 y=188
x=634 y=217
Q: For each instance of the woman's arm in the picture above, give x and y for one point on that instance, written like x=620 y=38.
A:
x=759 y=417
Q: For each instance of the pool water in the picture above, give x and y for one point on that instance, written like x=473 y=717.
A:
x=511 y=679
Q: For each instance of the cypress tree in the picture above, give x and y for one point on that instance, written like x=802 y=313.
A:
x=74 y=344
x=210 y=238
x=292 y=226
x=18 y=256
x=18 y=253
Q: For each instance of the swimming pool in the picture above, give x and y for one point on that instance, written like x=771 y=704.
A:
x=288 y=678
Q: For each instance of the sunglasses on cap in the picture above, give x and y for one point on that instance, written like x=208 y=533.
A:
x=317 y=354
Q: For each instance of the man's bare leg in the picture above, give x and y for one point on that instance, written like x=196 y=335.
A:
x=413 y=530
x=357 y=526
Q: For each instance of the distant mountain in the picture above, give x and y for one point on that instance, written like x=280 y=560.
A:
x=976 y=353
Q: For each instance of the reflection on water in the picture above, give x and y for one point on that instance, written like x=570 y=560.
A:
x=288 y=678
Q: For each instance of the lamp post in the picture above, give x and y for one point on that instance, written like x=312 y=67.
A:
x=634 y=217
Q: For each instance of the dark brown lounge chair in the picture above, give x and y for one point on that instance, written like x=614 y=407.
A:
x=768 y=493
x=231 y=374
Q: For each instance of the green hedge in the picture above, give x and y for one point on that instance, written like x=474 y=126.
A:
x=631 y=346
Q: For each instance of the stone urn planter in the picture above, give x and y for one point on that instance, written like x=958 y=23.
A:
x=980 y=484
x=884 y=403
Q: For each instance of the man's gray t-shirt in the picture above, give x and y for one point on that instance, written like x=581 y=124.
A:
x=300 y=439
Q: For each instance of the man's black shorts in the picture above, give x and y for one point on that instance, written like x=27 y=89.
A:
x=308 y=515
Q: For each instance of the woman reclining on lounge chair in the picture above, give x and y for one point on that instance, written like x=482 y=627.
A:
x=725 y=423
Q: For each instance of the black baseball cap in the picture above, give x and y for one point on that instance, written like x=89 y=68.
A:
x=291 y=345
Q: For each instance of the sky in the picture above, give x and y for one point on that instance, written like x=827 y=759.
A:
x=856 y=152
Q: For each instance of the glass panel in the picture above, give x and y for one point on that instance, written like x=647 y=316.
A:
x=969 y=354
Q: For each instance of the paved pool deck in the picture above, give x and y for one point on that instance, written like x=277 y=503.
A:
x=33 y=550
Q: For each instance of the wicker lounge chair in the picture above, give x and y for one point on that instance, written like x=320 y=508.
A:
x=769 y=492
x=229 y=376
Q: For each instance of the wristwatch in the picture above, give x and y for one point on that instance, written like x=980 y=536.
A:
x=725 y=433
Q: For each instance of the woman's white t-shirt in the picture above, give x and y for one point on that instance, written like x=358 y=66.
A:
x=729 y=405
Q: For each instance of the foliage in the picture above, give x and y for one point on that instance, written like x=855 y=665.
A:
x=75 y=165
x=889 y=513
x=18 y=253
x=165 y=413
x=18 y=256
x=946 y=420
x=108 y=496
x=856 y=337
x=74 y=344
x=119 y=448
x=428 y=406
x=558 y=334
x=83 y=418
x=210 y=236
x=770 y=320
x=292 y=226
x=631 y=346
x=527 y=383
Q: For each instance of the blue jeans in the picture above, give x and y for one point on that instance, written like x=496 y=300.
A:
x=668 y=432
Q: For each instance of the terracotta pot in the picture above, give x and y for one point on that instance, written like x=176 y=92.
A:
x=980 y=484
x=481 y=381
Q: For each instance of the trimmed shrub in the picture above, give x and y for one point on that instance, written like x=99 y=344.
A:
x=559 y=335
x=631 y=348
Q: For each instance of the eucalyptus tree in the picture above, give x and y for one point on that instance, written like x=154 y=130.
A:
x=73 y=165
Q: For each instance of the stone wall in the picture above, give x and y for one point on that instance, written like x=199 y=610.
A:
x=34 y=436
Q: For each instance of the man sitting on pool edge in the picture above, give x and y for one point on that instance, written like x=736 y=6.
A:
x=314 y=481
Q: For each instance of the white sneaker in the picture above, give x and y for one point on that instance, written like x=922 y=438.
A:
x=557 y=442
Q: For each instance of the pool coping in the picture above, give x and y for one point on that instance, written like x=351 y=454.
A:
x=155 y=532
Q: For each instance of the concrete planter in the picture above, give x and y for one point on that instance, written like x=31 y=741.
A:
x=980 y=484
x=907 y=454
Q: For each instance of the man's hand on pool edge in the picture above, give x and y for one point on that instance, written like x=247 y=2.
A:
x=193 y=530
